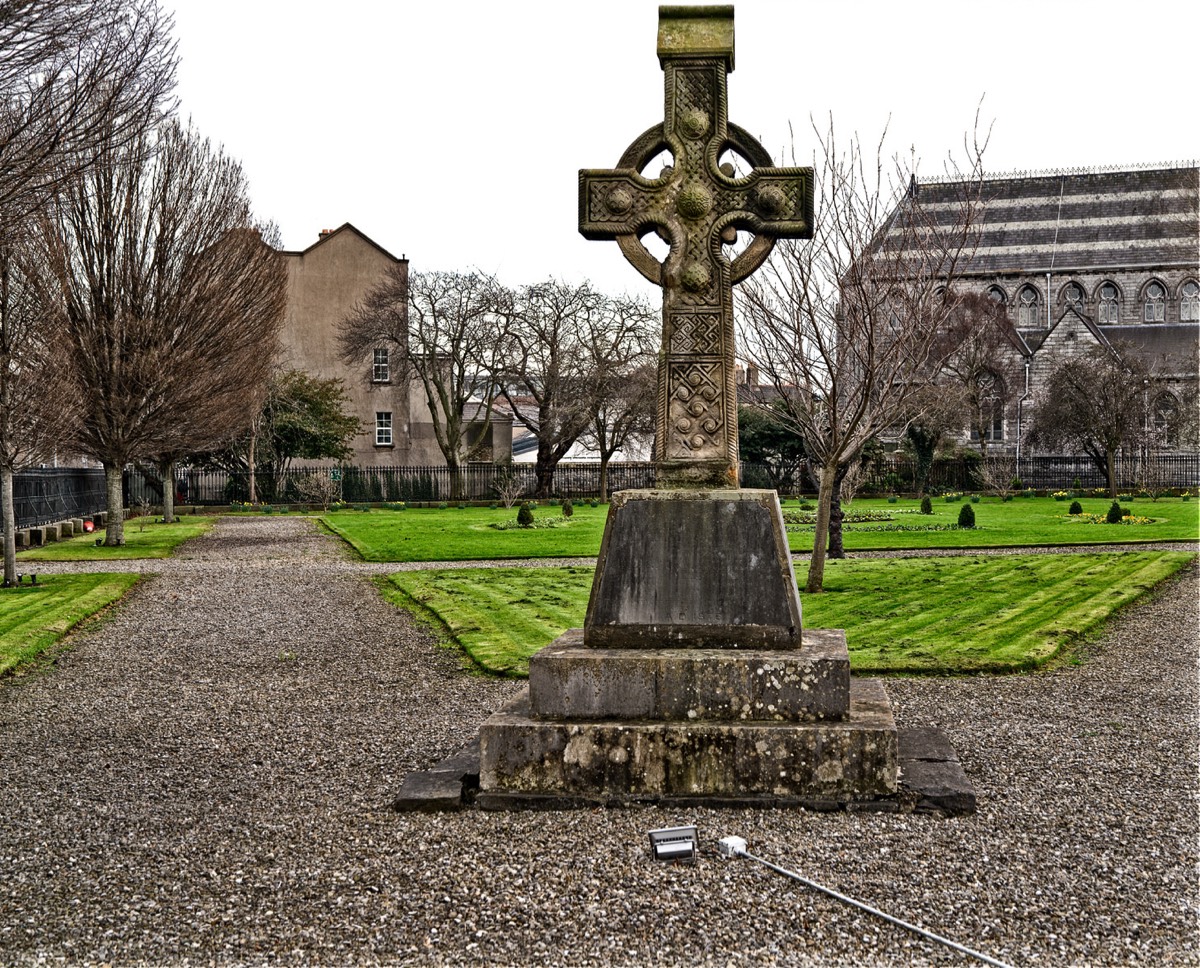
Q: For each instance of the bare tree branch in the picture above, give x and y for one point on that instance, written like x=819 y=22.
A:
x=844 y=326
x=173 y=302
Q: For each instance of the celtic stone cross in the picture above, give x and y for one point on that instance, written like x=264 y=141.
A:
x=697 y=205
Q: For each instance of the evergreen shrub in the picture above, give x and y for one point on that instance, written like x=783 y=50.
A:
x=1115 y=513
x=525 y=515
x=966 y=516
x=1075 y=508
x=926 y=505
x=567 y=507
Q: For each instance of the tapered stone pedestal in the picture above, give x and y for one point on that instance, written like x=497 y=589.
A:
x=692 y=679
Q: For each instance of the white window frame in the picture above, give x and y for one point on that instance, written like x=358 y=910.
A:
x=1108 y=306
x=380 y=365
x=383 y=428
x=1189 y=303
x=1155 y=308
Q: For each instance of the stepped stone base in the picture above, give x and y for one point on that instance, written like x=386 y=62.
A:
x=847 y=759
x=932 y=782
x=569 y=680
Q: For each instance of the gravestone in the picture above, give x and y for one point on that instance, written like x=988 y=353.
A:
x=692 y=679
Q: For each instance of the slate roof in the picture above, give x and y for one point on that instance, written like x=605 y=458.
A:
x=1080 y=221
x=1173 y=347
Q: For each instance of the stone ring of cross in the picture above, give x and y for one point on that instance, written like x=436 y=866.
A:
x=694 y=201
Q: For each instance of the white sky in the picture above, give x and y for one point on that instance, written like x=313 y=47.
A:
x=452 y=131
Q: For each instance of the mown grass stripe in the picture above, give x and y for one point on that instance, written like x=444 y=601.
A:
x=32 y=618
x=954 y=615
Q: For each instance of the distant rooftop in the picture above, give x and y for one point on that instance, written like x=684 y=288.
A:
x=1080 y=219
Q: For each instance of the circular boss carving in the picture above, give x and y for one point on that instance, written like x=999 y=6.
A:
x=695 y=201
x=695 y=277
x=771 y=201
x=619 y=201
x=694 y=123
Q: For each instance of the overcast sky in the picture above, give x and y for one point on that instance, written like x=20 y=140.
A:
x=453 y=132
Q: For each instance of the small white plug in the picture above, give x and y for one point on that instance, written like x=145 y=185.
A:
x=731 y=846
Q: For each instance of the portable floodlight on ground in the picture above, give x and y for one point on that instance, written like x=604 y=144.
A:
x=674 y=843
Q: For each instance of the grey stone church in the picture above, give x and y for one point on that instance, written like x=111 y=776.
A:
x=1080 y=259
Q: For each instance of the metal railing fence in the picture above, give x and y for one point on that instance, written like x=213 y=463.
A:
x=45 y=495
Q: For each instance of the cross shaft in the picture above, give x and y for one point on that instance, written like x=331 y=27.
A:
x=697 y=204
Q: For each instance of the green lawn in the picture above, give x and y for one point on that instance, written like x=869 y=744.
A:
x=430 y=534
x=421 y=534
x=34 y=617
x=146 y=540
x=1021 y=522
x=932 y=615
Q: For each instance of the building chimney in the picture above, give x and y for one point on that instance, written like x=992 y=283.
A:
x=751 y=374
x=324 y=232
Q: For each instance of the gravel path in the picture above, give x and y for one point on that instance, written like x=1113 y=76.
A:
x=204 y=778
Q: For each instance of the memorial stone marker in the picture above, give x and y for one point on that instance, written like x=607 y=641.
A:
x=692 y=678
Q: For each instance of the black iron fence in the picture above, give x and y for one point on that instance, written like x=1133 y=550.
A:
x=1155 y=472
x=476 y=482
x=52 y=494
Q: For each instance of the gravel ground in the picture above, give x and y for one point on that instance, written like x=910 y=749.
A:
x=205 y=777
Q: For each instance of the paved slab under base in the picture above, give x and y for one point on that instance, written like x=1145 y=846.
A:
x=441 y=788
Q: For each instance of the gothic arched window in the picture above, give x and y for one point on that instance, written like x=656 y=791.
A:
x=1110 y=304
x=1028 y=315
x=1189 y=303
x=996 y=294
x=1164 y=417
x=1073 y=297
x=1155 y=308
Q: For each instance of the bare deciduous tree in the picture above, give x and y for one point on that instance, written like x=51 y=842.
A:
x=75 y=76
x=173 y=302
x=981 y=344
x=1097 y=403
x=37 y=396
x=447 y=329
x=564 y=351
x=546 y=369
x=624 y=410
x=845 y=326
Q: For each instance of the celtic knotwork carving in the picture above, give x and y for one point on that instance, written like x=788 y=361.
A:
x=694 y=101
x=698 y=333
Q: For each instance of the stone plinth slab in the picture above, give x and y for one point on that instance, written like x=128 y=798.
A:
x=931 y=772
x=568 y=680
x=848 y=759
x=694 y=569
x=441 y=788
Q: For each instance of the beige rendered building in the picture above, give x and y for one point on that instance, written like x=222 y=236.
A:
x=325 y=282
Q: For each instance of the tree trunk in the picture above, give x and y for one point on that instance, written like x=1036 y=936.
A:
x=836 y=514
x=544 y=469
x=603 y=478
x=167 y=471
x=114 y=530
x=250 y=464
x=816 y=565
x=10 y=526
x=1111 y=470
x=456 y=481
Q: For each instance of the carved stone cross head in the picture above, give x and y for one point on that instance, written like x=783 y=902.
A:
x=698 y=205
